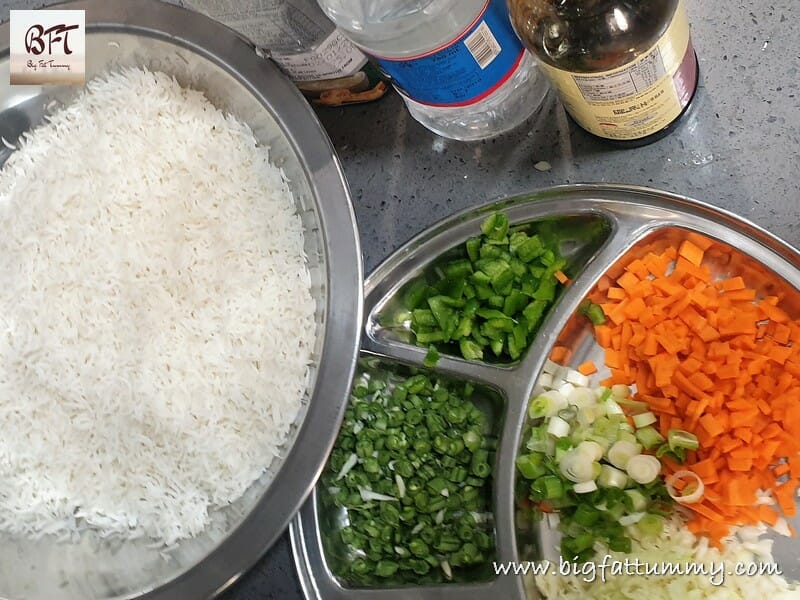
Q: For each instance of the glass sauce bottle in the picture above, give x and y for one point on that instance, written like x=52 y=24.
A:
x=625 y=70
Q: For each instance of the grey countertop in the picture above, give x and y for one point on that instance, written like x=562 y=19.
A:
x=739 y=149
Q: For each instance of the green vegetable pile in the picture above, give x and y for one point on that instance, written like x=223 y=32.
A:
x=587 y=463
x=412 y=467
x=490 y=297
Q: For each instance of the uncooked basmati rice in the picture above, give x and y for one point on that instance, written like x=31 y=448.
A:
x=156 y=318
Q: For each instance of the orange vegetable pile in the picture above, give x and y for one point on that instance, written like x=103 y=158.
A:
x=710 y=357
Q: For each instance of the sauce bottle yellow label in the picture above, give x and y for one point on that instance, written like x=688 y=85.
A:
x=642 y=97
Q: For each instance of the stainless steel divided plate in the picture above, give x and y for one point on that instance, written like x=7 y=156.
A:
x=602 y=224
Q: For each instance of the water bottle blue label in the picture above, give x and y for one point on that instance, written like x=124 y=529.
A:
x=465 y=70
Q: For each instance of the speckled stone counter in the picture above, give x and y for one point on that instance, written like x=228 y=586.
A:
x=739 y=149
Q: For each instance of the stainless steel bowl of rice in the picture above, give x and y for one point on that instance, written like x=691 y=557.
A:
x=180 y=310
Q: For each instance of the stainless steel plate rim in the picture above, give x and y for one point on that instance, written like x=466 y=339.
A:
x=344 y=298
x=634 y=212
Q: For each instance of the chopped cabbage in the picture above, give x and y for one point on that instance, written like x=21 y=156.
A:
x=676 y=545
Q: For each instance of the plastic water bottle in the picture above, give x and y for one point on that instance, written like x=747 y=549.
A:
x=458 y=65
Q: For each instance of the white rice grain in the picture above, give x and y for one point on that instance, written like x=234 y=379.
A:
x=157 y=320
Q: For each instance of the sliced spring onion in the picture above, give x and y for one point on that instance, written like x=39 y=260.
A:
x=625 y=426
x=584 y=487
x=633 y=407
x=651 y=525
x=569 y=413
x=679 y=455
x=547 y=404
x=591 y=449
x=594 y=312
x=401 y=486
x=620 y=390
x=566 y=389
x=678 y=438
x=693 y=490
x=636 y=500
x=643 y=468
x=613 y=407
x=577 y=378
x=604 y=443
x=588 y=415
x=369 y=495
x=597 y=501
x=348 y=464
x=545 y=380
x=581 y=397
x=621 y=452
x=644 y=419
x=446 y=569
x=631 y=519
x=611 y=477
x=550 y=367
x=577 y=466
x=552 y=518
x=557 y=427
x=538 y=441
x=649 y=437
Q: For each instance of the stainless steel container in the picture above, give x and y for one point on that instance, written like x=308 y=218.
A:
x=207 y=56
x=619 y=222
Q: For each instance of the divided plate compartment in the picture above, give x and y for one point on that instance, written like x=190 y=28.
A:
x=603 y=224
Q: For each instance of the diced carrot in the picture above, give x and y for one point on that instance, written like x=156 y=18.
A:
x=602 y=334
x=613 y=358
x=616 y=293
x=711 y=425
x=773 y=313
x=704 y=509
x=781 y=470
x=627 y=280
x=705 y=470
x=638 y=268
x=587 y=368
x=780 y=354
x=660 y=404
x=739 y=492
x=691 y=252
x=744 y=434
x=794 y=467
x=709 y=357
x=768 y=515
x=561 y=277
x=734 y=283
x=743 y=295
x=781 y=334
x=772 y=430
x=785 y=495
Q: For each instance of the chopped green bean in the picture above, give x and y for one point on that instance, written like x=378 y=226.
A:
x=417 y=463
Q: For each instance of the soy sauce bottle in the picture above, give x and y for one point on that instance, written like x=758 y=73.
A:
x=625 y=70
